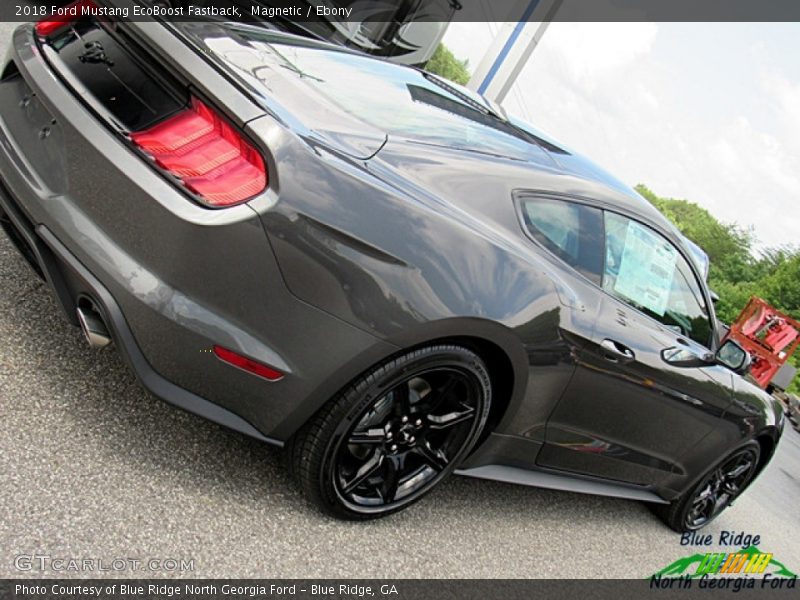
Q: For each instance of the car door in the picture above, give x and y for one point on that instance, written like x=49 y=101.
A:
x=631 y=411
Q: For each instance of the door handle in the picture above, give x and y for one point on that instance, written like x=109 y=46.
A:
x=616 y=352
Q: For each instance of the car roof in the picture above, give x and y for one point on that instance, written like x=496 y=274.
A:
x=616 y=193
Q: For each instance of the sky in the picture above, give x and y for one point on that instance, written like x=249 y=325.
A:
x=709 y=112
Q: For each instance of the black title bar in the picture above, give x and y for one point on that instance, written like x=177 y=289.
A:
x=361 y=11
x=399 y=589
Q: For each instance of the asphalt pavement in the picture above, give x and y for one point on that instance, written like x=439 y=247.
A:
x=92 y=467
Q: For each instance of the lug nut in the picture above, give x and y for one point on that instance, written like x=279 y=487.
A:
x=405 y=419
x=418 y=422
x=389 y=435
x=393 y=448
x=411 y=439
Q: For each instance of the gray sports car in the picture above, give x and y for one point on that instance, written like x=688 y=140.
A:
x=370 y=266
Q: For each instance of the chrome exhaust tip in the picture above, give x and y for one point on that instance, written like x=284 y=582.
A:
x=93 y=327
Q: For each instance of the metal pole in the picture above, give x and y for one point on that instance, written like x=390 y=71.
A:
x=508 y=54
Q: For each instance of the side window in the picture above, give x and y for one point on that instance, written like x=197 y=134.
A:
x=571 y=231
x=645 y=270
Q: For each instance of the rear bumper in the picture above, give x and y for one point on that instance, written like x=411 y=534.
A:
x=173 y=278
x=67 y=276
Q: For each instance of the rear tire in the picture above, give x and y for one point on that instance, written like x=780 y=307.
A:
x=714 y=493
x=393 y=435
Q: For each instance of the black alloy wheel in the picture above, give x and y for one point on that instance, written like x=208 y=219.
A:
x=715 y=492
x=393 y=435
x=720 y=488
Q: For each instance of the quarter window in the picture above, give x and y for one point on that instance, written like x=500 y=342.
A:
x=571 y=231
x=646 y=271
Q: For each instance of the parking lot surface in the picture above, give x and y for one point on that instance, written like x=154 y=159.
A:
x=93 y=467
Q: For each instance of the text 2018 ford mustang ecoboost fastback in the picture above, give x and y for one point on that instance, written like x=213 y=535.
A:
x=369 y=266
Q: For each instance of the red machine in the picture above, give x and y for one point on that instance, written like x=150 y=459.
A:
x=770 y=337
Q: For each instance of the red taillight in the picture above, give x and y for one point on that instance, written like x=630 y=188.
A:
x=212 y=159
x=66 y=15
x=248 y=364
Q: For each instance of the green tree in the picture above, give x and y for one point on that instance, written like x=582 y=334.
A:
x=781 y=284
x=729 y=247
x=445 y=64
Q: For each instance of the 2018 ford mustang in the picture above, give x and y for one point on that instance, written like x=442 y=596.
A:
x=370 y=266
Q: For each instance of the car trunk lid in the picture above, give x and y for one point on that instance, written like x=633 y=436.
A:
x=271 y=66
x=356 y=102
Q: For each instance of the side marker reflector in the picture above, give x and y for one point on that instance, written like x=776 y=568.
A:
x=247 y=364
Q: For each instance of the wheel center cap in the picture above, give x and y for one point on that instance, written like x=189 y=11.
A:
x=407 y=435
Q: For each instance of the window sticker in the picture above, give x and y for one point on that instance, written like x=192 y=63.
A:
x=646 y=269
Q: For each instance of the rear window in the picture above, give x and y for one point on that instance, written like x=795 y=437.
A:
x=398 y=100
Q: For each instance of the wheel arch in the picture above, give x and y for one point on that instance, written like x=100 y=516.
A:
x=498 y=347
x=501 y=375
x=768 y=442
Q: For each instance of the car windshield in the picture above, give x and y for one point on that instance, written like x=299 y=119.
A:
x=398 y=100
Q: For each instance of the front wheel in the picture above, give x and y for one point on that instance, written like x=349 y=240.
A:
x=393 y=435
x=715 y=492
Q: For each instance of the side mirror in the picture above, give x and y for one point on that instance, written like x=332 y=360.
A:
x=714 y=296
x=733 y=356
x=678 y=356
